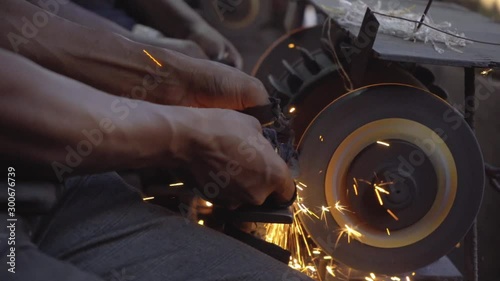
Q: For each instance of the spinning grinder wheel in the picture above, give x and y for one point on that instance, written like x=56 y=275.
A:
x=398 y=169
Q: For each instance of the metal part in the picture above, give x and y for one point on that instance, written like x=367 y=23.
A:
x=424 y=15
x=493 y=174
x=342 y=120
x=470 y=241
x=364 y=43
x=319 y=87
x=256 y=214
x=391 y=48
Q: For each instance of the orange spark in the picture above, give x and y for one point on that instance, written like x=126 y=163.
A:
x=377 y=187
x=355 y=186
x=383 y=143
x=392 y=214
x=379 y=198
x=152 y=58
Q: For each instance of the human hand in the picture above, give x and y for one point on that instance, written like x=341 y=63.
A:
x=206 y=84
x=186 y=47
x=232 y=162
x=215 y=45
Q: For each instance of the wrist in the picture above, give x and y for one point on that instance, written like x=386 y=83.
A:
x=170 y=140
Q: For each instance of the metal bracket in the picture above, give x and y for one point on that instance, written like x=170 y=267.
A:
x=362 y=47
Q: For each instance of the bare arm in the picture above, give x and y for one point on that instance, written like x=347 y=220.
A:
x=44 y=117
x=119 y=66
x=77 y=14
x=175 y=18
x=102 y=59
x=52 y=121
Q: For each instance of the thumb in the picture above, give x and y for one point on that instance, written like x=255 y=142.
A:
x=286 y=196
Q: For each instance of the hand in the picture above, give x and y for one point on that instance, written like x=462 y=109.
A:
x=207 y=84
x=215 y=45
x=186 y=47
x=232 y=162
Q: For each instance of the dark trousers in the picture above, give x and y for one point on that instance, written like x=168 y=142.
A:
x=103 y=230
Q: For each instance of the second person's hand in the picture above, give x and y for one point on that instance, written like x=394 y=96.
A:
x=231 y=161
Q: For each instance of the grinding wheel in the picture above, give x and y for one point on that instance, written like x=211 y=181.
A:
x=397 y=175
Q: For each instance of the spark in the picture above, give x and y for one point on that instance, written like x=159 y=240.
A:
x=350 y=232
x=394 y=278
x=324 y=210
x=385 y=183
x=176 y=184
x=316 y=252
x=208 y=204
x=486 y=71
x=327 y=257
x=329 y=268
x=368 y=278
x=413 y=274
x=341 y=208
x=302 y=184
x=306 y=210
x=201 y=222
x=383 y=143
x=392 y=214
x=152 y=58
x=299 y=199
x=148 y=198
x=372 y=275
x=311 y=268
x=291 y=45
x=355 y=186
x=292 y=109
x=321 y=138
x=377 y=187
x=379 y=198
x=299 y=187
x=408 y=278
x=388 y=232
x=365 y=181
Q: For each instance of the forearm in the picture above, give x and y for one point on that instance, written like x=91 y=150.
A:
x=102 y=59
x=58 y=124
x=172 y=17
x=77 y=14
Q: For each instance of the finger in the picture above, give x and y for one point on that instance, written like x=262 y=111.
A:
x=221 y=51
x=234 y=56
x=285 y=187
x=255 y=94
